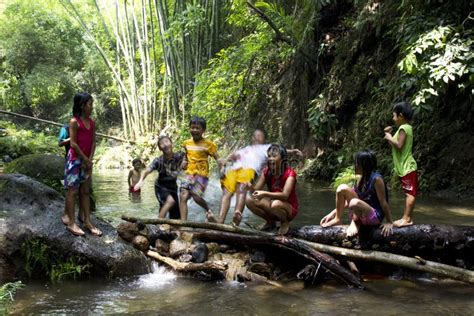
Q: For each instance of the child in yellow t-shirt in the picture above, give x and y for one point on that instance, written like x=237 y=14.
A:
x=195 y=162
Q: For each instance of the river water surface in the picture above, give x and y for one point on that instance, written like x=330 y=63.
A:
x=163 y=292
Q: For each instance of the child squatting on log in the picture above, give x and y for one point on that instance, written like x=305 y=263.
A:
x=280 y=202
x=367 y=200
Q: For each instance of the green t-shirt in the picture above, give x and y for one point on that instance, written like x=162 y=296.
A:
x=403 y=160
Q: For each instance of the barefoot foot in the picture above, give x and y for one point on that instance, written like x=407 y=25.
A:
x=75 y=230
x=403 y=222
x=210 y=217
x=284 y=227
x=352 y=230
x=332 y=222
x=65 y=219
x=237 y=218
x=93 y=230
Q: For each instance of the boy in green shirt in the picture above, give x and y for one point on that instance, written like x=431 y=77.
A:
x=404 y=163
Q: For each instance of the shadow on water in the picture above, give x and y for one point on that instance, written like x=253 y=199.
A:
x=164 y=292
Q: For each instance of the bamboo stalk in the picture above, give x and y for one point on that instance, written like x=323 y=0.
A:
x=59 y=124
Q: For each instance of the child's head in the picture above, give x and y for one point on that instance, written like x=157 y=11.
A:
x=165 y=144
x=197 y=127
x=277 y=157
x=136 y=163
x=365 y=163
x=258 y=137
x=82 y=104
x=402 y=113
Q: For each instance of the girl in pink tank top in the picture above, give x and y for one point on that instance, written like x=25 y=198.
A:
x=78 y=168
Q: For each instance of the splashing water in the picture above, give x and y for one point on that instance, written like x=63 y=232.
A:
x=157 y=279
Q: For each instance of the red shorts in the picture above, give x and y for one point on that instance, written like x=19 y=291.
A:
x=410 y=183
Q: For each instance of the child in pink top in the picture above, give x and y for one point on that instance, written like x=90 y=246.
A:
x=78 y=169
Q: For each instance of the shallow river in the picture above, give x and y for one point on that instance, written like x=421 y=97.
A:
x=163 y=292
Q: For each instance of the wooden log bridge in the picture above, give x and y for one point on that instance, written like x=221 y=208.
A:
x=459 y=236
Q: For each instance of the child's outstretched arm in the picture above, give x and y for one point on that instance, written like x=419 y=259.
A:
x=142 y=178
x=381 y=195
x=283 y=196
x=401 y=139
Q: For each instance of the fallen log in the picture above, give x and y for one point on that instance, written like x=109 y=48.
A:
x=452 y=245
x=290 y=244
x=439 y=269
x=208 y=266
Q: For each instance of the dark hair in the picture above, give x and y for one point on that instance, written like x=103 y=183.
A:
x=403 y=108
x=368 y=162
x=136 y=160
x=261 y=130
x=198 y=120
x=161 y=138
x=284 y=163
x=80 y=99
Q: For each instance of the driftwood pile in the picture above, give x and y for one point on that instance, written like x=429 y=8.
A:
x=211 y=251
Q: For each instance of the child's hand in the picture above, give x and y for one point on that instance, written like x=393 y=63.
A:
x=184 y=165
x=138 y=186
x=387 y=229
x=298 y=152
x=258 y=195
x=247 y=186
x=388 y=129
x=388 y=136
x=326 y=218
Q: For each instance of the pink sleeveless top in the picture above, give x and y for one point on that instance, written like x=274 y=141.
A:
x=84 y=139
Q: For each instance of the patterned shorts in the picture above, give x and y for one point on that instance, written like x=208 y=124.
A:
x=74 y=174
x=195 y=184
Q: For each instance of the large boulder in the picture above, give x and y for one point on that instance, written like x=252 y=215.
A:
x=38 y=166
x=30 y=211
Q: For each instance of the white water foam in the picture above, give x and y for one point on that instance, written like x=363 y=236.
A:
x=157 y=279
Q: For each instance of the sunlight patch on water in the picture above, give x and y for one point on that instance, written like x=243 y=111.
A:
x=158 y=278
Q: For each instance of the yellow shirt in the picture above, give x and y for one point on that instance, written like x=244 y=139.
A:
x=197 y=154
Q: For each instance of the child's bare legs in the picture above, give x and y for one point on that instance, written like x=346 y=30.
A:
x=282 y=211
x=202 y=203
x=239 y=203
x=344 y=194
x=84 y=196
x=225 y=204
x=169 y=203
x=359 y=209
x=258 y=208
x=406 y=219
x=68 y=216
x=184 y=196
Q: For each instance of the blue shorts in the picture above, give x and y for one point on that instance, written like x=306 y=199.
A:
x=74 y=174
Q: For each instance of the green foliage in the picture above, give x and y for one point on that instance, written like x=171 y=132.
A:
x=7 y=294
x=42 y=260
x=41 y=52
x=322 y=123
x=434 y=57
x=346 y=176
x=17 y=143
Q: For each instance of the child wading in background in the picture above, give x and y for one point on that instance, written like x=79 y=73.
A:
x=280 y=202
x=166 y=189
x=367 y=201
x=134 y=176
x=78 y=171
x=404 y=164
x=195 y=162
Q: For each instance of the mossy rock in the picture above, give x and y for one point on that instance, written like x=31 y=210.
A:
x=42 y=167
